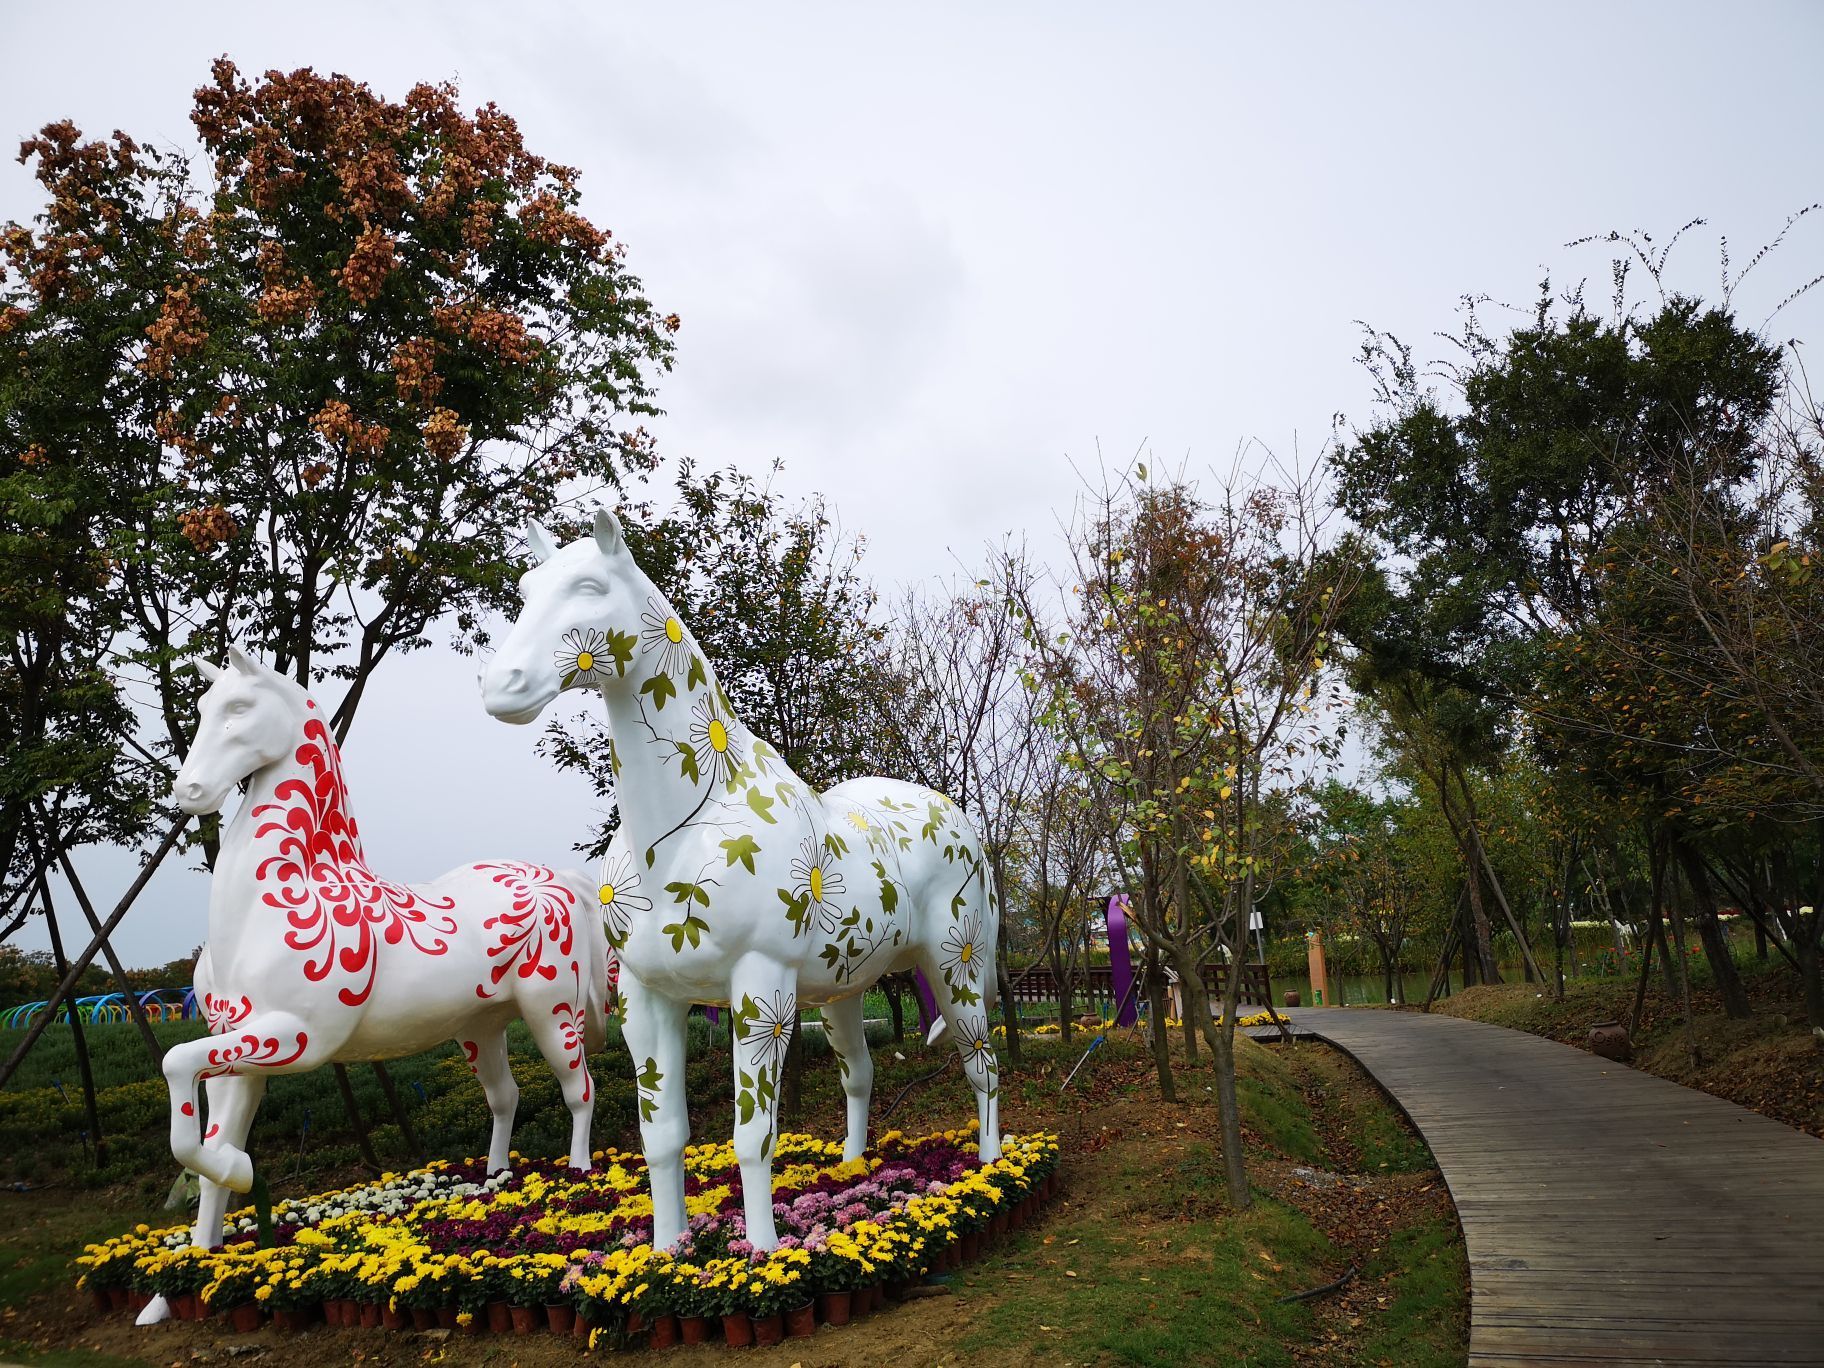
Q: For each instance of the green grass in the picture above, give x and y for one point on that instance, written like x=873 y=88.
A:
x=1427 y=1273
x=1124 y=1283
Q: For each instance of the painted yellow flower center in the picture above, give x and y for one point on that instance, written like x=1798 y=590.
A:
x=718 y=735
x=967 y=953
x=817 y=883
x=778 y=1029
x=607 y=894
x=585 y=660
x=674 y=631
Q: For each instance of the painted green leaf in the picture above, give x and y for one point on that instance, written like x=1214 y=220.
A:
x=696 y=674
x=621 y=646
x=661 y=688
x=742 y=848
x=687 y=761
x=761 y=805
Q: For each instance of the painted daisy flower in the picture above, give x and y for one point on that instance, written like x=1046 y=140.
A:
x=662 y=632
x=859 y=820
x=769 y=1028
x=977 y=1049
x=620 y=894
x=580 y=662
x=816 y=876
x=710 y=738
x=963 y=948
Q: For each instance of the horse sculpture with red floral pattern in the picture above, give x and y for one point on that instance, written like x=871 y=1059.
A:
x=313 y=959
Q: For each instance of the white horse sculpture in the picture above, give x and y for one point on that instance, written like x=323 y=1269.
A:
x=312 y=959
x=731 y=882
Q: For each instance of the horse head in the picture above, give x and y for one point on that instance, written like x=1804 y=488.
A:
x=581 y=606
x=249 y=718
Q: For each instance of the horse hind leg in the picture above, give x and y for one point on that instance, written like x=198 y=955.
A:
x=559 y=1030
x=962 y=1001
x=488 y=1060
x=846 y=1027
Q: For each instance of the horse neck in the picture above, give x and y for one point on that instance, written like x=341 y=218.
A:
x=296 y=812
x=656 y=796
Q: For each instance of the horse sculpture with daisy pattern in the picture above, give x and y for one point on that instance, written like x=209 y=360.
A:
x=733 y=883
x=313 y=959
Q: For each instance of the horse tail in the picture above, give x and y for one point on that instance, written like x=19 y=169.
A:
x=991 y=929
x=593 y=955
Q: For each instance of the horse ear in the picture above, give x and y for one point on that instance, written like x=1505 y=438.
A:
x=243 y=662
x=608 y=533
x=538 y=541
x=208 y=669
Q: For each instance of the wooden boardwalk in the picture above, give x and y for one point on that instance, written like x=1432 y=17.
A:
x=1610 y=1216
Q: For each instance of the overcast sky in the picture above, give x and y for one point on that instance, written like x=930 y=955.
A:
x=927 y=255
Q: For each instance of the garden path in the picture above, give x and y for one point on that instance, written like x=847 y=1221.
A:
x=1610 y=1217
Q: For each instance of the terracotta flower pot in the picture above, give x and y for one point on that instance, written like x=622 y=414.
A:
x=769 y=1329
x=561 y=1317
x=351 y=1312
x=183 y=1305
x=98 y=1298
x=664 y=1332
x=896 y=1288
x=834 y=1307
x=331 y=1310
x=478 y=1323
x=245 y=1318
x=971 y=1245
x=288 y=1318
x=500 y=1318
x=117 y=1298
x=694 y=1329
x=395 y=1320
x=635 y=1322
x=446 y=1317
x=370 y=1315
x=527 y=1319
x=423 y=1318
x=998 y=1226
x=580 y=1327
x=137 y=1300
x=738 y=1329
x=801 y=1321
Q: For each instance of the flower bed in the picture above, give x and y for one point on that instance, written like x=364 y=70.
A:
x=543 y=1245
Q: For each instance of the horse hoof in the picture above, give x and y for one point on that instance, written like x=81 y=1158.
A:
x=238 y=1174
x=156 y=1310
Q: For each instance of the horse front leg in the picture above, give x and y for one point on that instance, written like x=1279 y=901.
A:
x=232 y=1103
x=765 y=994
x=846 y=1027
x=653 y=1028
x=266 y=1043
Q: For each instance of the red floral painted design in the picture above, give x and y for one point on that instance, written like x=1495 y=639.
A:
x=536 y=935
x=471 y=1051
x=570 y=1021
x=339 y=910
x=214 y=1128
x=252 y=1048
x=224 y=1014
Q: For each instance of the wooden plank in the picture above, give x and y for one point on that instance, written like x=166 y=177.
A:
x=1610 y=1217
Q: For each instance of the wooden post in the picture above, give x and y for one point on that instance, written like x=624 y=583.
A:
x=355 y=1120
x=406 y=1128
x=1314 y=961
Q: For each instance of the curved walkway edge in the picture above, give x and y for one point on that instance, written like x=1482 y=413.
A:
x=1610 y=1217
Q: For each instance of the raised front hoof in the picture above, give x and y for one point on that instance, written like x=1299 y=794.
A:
x=232 y=1168
x=156 y=1310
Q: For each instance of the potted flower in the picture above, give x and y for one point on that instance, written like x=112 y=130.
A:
x=653 y=1299
x=692 y=1300
x=532 y=1281
x=232 y=1290
x=773 y=1287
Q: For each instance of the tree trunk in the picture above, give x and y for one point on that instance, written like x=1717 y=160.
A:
x=895 y=1007
x=77 y=1036
x=1480 y=938
x=1155 y=998
x=1221 y=1036
x=1710 y=932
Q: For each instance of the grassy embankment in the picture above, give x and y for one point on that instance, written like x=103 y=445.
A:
x=1771 y=1063
x=1140 y=1262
